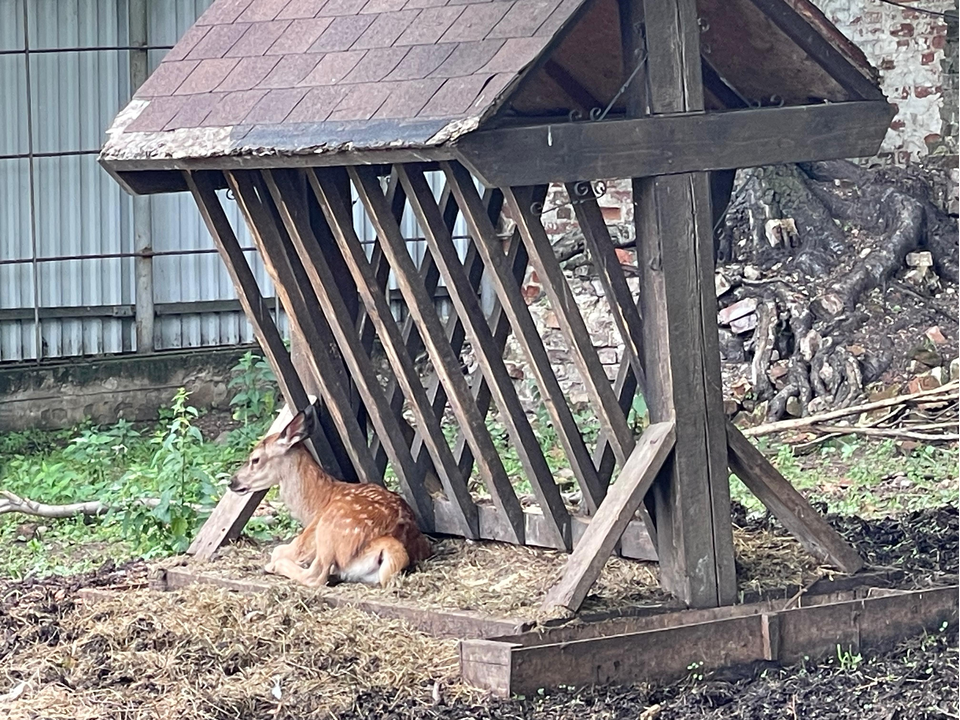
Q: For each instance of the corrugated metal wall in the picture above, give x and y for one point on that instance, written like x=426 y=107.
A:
x=57 y=103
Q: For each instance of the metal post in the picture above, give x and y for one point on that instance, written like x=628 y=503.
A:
x=31 y=176
x=142 y=240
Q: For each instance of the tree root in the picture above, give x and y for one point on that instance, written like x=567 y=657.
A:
x=802 y=225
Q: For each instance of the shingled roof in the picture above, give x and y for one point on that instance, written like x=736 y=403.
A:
x=259 y=78
x=326 y=74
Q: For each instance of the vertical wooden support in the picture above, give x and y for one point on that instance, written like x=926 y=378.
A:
x=488 y=355
x=675 y=257
x=232 y=512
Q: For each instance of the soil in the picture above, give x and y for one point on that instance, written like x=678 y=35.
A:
x=210 y=653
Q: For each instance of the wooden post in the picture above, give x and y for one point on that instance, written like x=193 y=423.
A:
x=675 y=256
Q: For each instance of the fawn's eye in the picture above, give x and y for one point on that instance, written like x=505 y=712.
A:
x=254 y=460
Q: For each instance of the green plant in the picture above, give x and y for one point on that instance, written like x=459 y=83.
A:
x=847 y=660
x=179 y=480
x=695 y=671
x=256 y=386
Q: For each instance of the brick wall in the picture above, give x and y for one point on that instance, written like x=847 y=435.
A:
x=916 y=54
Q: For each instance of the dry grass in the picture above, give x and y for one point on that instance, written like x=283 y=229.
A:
x=210 y=653
x=508 y=581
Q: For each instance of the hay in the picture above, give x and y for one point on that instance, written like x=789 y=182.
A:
x=210 y=653
x=508 y=581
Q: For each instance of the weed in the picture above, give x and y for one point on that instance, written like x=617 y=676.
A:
x=847 y=660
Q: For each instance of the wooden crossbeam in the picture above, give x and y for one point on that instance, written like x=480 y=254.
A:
x=445 y=362
x=340 y=219
x=687 y=142
x=357 y=359
x=507 y=287
x=293 y=287
x=618 y=508
x=489 y=357
x=787 y=505
x=232 y=512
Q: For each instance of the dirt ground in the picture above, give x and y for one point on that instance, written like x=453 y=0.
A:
x=210 y=653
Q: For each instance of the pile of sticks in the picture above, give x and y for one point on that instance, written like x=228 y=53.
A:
x=926 y=416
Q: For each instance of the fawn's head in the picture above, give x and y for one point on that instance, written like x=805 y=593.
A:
x=265 y=466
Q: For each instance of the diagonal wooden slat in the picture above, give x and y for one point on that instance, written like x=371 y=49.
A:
x=507 y=287
x=292 y=287
x=464 y=298
x=574 y=330
x=231 y=514
x=787 y=505
x=445 y=362
x=623 y=307
x=584 y=565
x=343 y=327
x=378 y=310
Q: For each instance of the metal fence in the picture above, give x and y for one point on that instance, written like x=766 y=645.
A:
x=84 y=268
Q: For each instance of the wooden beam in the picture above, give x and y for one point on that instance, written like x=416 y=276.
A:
x=569 y=84
x=618 y=508
x=713 y=639
x=445 y=362
x=820 y=50
x=681 y=358
x=672 y=144
x=488 y=355
x=378 y=310
x=231 y=514
x=787 y=505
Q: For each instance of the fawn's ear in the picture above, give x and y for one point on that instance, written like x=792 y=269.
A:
x=298 y=429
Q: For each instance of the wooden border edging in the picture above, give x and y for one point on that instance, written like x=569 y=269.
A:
x=439 y=623
x=710 y=639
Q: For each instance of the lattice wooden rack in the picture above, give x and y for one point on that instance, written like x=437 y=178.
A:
x=667 y=133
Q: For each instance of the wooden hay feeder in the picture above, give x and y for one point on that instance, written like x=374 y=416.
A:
x=297 y=115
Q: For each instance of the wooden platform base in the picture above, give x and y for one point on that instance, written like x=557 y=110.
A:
x=657 y=643
x=668 y=647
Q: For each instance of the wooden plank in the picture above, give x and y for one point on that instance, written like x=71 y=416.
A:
x=233 y=511
x=445 y=362
x=293 y=288
x=686 y=142
x=713 y=639
x=343 y=326
x=340 y=218
x=488 y=356
x=655 y=656
x=621 y=503
x=820 y=50
x=858 y=624
x=438 y=623
x=788 y=505
x=571 y=322
x=507 y=287
x=486 y=664
x=674 y=246
x=634 y=544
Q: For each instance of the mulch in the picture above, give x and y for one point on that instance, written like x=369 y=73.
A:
x=209 y=653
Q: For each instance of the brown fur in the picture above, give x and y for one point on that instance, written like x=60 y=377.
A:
x=357 y=531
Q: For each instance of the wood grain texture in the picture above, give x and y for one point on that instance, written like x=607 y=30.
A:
x=378 y=310
x=507 y=287
x=618 y=508
x=788 y=505
x=645 y=147
x=488 y=354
